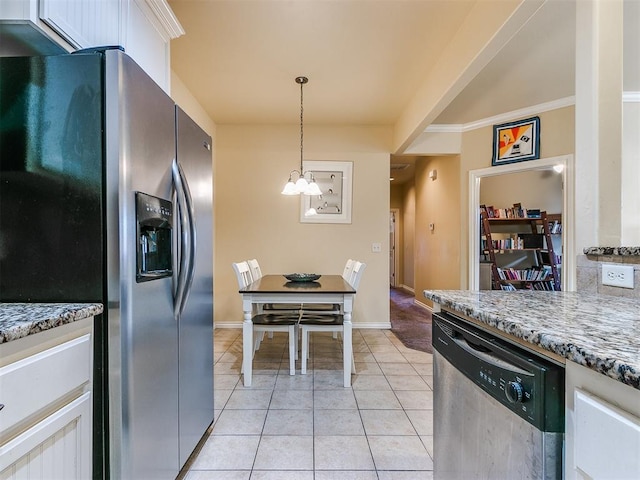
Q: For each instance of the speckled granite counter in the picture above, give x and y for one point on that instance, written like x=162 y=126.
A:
x=613 y=251
x=19 y=320
x=599 y=332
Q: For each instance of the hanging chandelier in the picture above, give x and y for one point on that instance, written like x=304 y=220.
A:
x=301 y=185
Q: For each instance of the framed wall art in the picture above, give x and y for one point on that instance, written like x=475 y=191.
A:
x=335 y=182
x=516 y=141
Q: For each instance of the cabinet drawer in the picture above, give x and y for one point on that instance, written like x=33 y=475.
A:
x=31 y=384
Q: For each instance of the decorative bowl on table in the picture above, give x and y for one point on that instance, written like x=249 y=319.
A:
x=302 y=277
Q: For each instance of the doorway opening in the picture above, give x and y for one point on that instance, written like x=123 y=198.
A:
x=568 y=254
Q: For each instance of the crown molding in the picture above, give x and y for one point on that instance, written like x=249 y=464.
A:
x=503 y=117
x=627 y=97
x=166 y=17
x=445 y=128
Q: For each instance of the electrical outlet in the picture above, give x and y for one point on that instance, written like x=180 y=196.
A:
x=617 y=275
x=376 y=247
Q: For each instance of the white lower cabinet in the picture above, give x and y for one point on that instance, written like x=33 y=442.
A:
x=58 y=447
x=46 y=393
x=602 y=427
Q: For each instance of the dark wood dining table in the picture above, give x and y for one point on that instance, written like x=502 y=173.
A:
x=330 y=289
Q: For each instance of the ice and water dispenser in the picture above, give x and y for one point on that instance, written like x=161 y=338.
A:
x=154 y=220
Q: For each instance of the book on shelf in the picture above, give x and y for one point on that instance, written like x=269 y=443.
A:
x=517 y=211
x=546 y=286
x=526 y=275
x=520 y=241
x=512 y=243
x=488 y=210
x=555 y=227
x=543 y=286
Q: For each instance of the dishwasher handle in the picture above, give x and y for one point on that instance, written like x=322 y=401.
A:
x=480 y=348
x=486 y=355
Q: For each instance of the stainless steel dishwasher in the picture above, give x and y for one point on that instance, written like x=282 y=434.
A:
x=498 y=408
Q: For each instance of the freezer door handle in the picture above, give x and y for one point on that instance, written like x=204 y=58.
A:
x=183 y=238
x=187 y=239
x=191 y=248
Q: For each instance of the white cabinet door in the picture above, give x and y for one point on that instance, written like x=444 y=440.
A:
x=607 y=444
x=602 y=426
x=58 y=447
x=84 y=23
x=46 y=392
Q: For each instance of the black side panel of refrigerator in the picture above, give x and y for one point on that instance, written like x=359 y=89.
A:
x=51 y=244
x=51 y=200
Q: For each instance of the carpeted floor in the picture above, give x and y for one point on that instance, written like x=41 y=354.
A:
x=410 y=323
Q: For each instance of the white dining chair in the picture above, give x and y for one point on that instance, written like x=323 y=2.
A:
x=243 y=274
x=254 y=269
x=270 y=322
x=256 y=274
x=327 y=322
x=327 y=308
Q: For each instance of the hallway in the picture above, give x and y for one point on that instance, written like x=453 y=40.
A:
x=309 y=427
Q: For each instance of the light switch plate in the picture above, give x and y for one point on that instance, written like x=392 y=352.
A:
x=617 y=275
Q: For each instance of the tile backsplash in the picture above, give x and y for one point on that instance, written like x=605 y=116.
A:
x=589 y=270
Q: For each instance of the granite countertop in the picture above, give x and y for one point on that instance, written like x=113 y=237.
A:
x=613 y=251
x=597 y=331
x=18 y=320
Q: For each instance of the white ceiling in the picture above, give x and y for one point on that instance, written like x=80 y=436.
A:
x=365 y=59
x=537 y=66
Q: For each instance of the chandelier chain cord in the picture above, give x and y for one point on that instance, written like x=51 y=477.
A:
x=301 y=125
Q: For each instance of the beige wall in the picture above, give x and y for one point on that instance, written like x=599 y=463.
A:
x=403 y=198
x=541 y=189
x=631 y=174
x=183 y=97
x=437 y=251
x=409 y=230
x=253 y=220
x=396 y=196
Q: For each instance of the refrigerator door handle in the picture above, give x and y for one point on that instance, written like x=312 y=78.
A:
x=191 y=247
x=184 y=240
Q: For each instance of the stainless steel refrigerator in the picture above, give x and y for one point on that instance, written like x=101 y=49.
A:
x=106 y=196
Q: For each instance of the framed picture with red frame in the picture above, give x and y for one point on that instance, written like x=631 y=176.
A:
x=516 y=141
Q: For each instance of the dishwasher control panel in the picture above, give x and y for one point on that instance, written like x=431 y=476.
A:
x=523 y=382
x=513 y=388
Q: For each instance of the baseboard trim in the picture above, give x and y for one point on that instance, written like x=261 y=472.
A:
x=422 y=305
x=227 y=325
x=406 y=289
x=357 y=325
x=372 y=325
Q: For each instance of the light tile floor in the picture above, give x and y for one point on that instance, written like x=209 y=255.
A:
x=309 y=427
